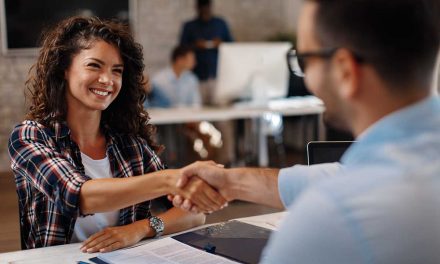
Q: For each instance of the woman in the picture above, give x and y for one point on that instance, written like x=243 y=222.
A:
x=85 y=136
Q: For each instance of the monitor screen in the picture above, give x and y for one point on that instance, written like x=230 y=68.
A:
x=24 y=20
x=251 y=71
x=326 y=151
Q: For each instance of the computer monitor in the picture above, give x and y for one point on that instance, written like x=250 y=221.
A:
x=251 y=71
x=326 y=151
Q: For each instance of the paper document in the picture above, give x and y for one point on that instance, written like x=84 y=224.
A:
x=269 y=221
x=166 y=250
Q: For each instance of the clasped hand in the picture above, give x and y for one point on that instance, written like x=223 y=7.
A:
x=201 y=188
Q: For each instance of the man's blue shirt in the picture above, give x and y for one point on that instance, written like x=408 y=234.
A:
x=382 y=205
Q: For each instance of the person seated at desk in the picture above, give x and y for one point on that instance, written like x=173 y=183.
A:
x=85 y=137
x=176 y=85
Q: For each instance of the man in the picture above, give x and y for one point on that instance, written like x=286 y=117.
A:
x=205 y=33
x=176 y=85
x=372 y=64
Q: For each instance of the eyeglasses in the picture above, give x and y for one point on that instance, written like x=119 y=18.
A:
x=297 y=61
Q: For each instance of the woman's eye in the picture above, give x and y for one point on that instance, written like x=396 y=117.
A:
x=119 y=71
x=93 y=65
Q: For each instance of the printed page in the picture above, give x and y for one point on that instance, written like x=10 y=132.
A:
x=166 y=250
x=269 y=221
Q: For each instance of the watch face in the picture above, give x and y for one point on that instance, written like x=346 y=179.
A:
x=157 y=224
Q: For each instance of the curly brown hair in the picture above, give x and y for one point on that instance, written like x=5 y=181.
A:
x=47 y=84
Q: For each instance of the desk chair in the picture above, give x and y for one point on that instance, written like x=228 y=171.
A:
x=22 y=240
x=272 y=126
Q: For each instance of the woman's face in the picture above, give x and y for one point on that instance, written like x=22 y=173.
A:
x=94 y=77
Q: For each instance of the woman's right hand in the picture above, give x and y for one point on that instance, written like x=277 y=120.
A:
x=198 y=196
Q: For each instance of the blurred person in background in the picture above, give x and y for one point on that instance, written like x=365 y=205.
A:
x=176 y=82
x=205 y=33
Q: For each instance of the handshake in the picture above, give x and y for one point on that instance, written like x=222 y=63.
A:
x=202 y=187
x=205 y=187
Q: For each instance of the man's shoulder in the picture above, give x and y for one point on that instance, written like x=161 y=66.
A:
x=219 y=19
x=358 y=180
x=362 y=186
x=190 y=23
x=162 y=75
x=190 y=76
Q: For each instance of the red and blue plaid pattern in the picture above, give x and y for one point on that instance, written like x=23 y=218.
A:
x=49 y=174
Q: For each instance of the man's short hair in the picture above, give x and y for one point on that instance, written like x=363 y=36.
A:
x=202 y=3
x=180 y=51
x=399 y=38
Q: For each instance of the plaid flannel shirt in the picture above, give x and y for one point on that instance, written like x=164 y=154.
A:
x=49 y=175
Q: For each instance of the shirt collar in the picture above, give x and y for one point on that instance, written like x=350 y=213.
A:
x=173 y=74
x=62 y=131
x=400 y=124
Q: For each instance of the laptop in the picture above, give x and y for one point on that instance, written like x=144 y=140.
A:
x=326 y=151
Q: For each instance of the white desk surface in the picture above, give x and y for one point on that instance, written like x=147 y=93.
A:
x=296 y=106
x=71 y=254
x=292 y=106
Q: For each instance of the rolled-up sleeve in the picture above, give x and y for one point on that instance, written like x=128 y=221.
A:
x=294 y=180
x=36 y=161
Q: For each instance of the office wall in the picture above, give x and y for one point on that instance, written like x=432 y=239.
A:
x=249 y=20
x=157 y=29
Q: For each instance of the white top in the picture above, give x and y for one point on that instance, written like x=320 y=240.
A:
x=89 y=225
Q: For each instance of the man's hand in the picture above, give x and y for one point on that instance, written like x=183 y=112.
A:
x=217 y=42
x=198 y=194
x=208 y=44
x=117 y=237
x=213 y=174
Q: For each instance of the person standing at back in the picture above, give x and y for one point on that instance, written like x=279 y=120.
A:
x=205 y=33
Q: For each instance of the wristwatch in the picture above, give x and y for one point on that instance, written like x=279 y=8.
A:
x=157 y=224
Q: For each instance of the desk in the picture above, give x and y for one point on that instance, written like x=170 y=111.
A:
x=71 y=254
x=293 y=106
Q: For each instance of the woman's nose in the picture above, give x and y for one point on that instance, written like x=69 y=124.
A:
x=105 y=79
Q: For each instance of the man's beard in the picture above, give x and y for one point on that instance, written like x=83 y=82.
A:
x=336 y=123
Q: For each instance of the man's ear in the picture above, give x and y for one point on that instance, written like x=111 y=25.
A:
x=346 y=72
